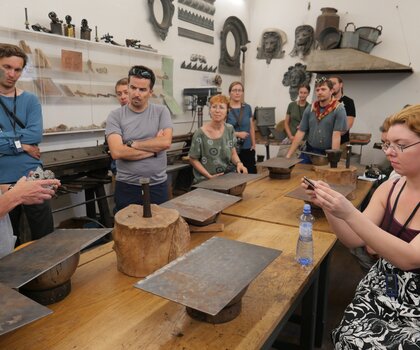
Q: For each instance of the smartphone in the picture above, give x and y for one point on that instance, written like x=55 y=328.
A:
x=311 y=185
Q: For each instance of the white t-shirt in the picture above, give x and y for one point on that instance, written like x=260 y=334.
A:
x=7 y=239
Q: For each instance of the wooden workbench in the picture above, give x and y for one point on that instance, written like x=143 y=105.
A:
x=265 y=200
x=104 y=310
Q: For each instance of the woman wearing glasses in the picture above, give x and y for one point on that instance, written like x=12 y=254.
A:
x=240 y=116
x=213 y=151
x=385 y=312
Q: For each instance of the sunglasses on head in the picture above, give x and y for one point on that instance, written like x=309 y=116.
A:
x=320 y=80
x=140 y=72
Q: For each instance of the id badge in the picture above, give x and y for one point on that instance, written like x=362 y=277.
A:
x=18 y=146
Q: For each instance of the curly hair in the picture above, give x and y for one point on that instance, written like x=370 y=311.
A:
x=219 y=99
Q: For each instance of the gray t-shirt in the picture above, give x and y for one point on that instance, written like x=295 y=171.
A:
x=140 y=126
x=320 y=132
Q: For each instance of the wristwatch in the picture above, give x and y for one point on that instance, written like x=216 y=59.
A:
x=130 y=143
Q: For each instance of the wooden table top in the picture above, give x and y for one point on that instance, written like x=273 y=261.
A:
x=105 y=311
x=265 y=200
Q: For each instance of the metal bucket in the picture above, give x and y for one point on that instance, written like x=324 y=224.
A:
x=368 y=37
x=350 y=39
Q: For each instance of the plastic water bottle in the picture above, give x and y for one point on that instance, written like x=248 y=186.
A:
x=305 y=244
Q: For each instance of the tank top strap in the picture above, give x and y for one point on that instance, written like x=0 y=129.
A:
x=387 y=212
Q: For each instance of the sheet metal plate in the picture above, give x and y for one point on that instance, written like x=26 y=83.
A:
x=300 y=193
x=17 y=310
x=200 y=204
x=282 y=163
x=24 y=265
x=208 y=277
x=227 y=181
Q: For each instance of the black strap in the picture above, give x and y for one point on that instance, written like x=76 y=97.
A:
x=394 y=208
x=12 y=115
x=238 y=119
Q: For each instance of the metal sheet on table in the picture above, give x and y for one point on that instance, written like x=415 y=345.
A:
x=300 y=193
x=208 y=277
x=227 y=181
x=18 y=310
x=201 y=204
x=282 y=163
x=24 y=265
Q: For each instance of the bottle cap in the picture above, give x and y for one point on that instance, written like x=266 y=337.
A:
x=307 y=208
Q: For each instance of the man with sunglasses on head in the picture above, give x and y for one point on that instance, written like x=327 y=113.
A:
x=138 y=136
x=20 y=134
x=323 y=123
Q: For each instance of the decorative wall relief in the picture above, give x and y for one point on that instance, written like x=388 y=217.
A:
x=199 y=67
x=271 y=45
x=200 y=5
x=193 y=18
x=168 y=11
x=294 y=77
x=198 y=62
x=229 y=62
x=304 y=41
x=187 y=33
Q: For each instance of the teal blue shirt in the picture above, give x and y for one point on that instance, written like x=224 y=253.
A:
x=14 y=164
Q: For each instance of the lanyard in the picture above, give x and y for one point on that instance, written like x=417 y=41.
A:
x=12 y=115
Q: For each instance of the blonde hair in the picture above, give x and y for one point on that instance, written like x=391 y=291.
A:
x=410 y=116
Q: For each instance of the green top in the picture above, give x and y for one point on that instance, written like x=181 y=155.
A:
x=295 y=111
x=213 y=154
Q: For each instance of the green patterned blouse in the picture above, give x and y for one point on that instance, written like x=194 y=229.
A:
x=213 y=154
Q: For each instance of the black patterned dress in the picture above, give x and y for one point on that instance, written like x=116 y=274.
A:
x=375 y=320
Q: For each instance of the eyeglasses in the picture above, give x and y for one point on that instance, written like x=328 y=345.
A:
x=236 y=90
x=396 y=148
x=140 y=72
x=320 y=80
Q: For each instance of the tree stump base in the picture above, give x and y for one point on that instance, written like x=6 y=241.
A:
x=338 y=176
x=144 y=245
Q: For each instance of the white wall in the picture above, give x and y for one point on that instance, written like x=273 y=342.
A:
x=130 y=19
x=376 y=95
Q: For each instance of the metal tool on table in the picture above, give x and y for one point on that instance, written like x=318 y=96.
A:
x=231 y=183
x=300 y=193
x=333 y=156
x=24 y=265
x=280 y=168
x=211 y=279
x=18 y=310
x=147 y=211
x=316 y=159
x=37 y=265
x=201 y=207
x=348 y=156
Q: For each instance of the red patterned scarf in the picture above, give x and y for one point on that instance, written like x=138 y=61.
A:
x=327 y=109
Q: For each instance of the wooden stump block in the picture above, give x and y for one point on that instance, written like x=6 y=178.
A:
x=144 y=245
x=339 y=176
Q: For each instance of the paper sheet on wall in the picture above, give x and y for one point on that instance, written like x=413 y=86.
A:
x=172 y=104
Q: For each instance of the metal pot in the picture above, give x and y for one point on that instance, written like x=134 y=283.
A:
x=368 y=37
x=329 y=38
x=350 y=39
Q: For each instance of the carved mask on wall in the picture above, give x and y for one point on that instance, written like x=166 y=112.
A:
x=271 y=45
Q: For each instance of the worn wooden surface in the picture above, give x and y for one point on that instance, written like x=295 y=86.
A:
x=104 y=310
x=265 y=200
